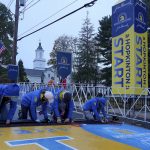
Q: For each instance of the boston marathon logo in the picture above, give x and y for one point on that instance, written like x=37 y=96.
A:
x=122 y=21
x=63 y=63
x=122 y=17
x=64 y=60
x=140 y=21
x=140 y=17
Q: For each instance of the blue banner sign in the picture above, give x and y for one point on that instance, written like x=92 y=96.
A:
x=12 y=72
x=64 y=64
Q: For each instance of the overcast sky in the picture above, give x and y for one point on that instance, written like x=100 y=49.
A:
x=69 y=26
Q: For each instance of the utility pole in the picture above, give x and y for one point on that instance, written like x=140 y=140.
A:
x=15 y=33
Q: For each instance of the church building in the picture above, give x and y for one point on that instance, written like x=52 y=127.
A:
x=39 y=73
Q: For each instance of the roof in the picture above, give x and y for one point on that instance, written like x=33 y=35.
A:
x=40 y=47
x=33 y=72
x=49 y=69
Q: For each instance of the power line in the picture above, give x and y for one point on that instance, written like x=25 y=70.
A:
x=48 y=17
x=31 y=6
x=10 y=3
x=26 y=7
x=26 y=1
x=84 y=6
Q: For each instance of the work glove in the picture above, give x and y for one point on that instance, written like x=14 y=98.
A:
x=37 y=121
x=67 y=120
x=106 y=120
x=58 y=120
x=101 y=121
x=47 y=120
x=7 y=122
x=50 y=120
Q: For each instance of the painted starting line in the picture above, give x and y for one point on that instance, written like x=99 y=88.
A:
x=73 y=137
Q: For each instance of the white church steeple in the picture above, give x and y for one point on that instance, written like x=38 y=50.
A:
x=39 y=61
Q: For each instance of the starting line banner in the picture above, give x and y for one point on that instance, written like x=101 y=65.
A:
x=129 y=48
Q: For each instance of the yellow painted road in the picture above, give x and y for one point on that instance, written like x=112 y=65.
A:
x=79 y=138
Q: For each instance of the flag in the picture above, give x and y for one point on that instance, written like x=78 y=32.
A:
x=2 y=47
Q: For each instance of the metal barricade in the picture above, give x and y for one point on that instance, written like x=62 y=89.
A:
x=134 y=107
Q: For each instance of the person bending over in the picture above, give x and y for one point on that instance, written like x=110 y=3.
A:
x=63 y=106
x=32 y=100
x=93 y=107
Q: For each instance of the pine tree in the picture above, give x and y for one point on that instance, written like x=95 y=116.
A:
x=86 y=54
x=103 y=39
x=22 y=73
x=6 y=33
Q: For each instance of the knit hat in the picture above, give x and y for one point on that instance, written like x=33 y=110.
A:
x=49 y=95
x=67 y=96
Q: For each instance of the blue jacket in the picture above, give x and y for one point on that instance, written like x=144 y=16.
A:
x=32 y=100
x=9 y=91
x=57 y=100
x=93 y=105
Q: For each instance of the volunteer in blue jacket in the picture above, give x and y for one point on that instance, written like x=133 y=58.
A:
x=32 y=100
x=8 y=94
x=63 y=106
x=93 y=107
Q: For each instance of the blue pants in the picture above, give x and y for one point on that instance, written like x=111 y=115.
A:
x=24 y=112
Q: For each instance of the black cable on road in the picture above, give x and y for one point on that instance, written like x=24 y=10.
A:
x=85 y=5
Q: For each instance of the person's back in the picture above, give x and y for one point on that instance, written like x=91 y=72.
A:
x=103 y=100
x=30 y=98
x=89 y=104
